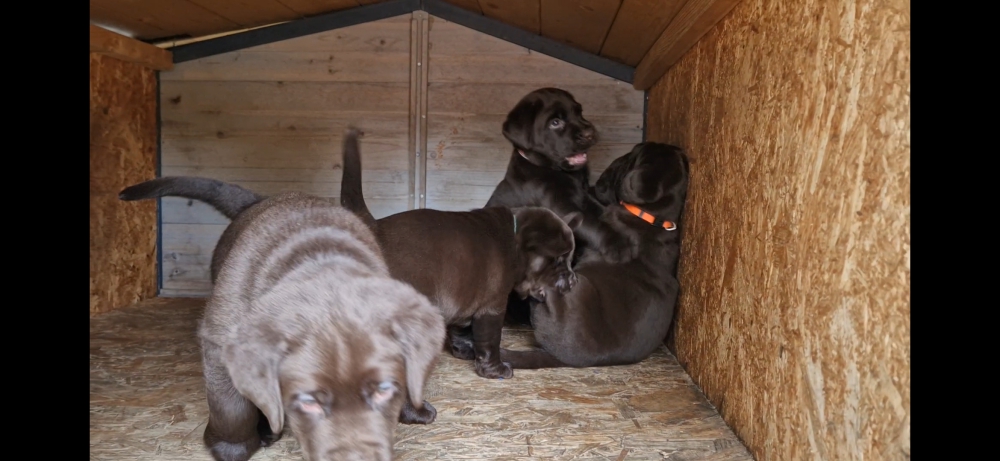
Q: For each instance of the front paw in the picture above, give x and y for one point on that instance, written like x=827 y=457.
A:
x=462 y=348
x=494 y=370
x=411 y=415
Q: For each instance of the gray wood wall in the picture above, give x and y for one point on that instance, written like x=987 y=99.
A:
x=270 y=118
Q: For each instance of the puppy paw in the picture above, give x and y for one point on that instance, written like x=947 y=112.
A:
x=226 y=451
x=494 y=370
x=411 y=415
x=461 y=344
x=463 y=350
x=223 y=450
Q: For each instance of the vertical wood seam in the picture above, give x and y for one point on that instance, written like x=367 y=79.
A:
x=422 y=64
x=414 y=109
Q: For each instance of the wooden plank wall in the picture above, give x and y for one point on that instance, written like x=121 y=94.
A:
x=122 y=152
x=475 y=79
x=271 y=118
x=795 y=313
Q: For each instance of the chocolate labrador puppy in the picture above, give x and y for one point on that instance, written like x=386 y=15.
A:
x=305 y=322
x=619 y=313
x=468 y=262
x=548 y=168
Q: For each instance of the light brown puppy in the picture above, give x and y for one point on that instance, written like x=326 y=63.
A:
x=305 y=323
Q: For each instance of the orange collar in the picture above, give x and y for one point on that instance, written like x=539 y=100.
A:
x=668 y=225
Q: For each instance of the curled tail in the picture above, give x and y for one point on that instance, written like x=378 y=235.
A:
x=351 y=196
x=229 y=199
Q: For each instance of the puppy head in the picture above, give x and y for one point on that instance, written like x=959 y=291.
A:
x=342 y=382
x=546 y=244
x=653 y=176
x=548 y=125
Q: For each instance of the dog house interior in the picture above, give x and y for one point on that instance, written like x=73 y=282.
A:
x=791 y=335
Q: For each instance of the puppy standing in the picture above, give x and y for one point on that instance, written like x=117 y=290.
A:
x=548 y=168
x=305 y=322
x=619 y=313
x=467 y=263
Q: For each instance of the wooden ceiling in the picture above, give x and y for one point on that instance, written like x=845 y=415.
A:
x=648 y=36
x=620 y=30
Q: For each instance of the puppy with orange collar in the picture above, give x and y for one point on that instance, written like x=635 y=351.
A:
x=619 y=313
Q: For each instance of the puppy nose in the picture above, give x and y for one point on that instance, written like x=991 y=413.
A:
x=587 y=134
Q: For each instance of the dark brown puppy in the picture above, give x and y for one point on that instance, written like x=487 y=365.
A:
x=305 y=322
x=468 y=262
x=619 y=313
x=548 y=168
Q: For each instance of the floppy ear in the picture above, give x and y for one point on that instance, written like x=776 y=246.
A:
x=519 y=127
x=638 y=187
x=573 y=220
x=253 y=363
x=420 y=331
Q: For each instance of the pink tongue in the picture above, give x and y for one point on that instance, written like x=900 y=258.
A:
x=577 y=159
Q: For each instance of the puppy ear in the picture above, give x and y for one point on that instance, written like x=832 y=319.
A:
x=573 y=220
x=420 y=331
x=519 y=127
x=253 y=363
x=638 y=187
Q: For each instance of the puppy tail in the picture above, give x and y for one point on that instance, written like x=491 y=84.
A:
x=229 y=199
x=351 y=196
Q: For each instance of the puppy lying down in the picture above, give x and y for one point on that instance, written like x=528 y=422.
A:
x=305 y=323
x=619 y=313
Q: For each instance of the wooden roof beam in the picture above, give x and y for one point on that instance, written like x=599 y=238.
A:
x=692 y=22
x=106 y=42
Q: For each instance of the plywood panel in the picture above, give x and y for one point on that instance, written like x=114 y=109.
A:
x=795 y=313
x=122 y=151
x=382 y=36
x=579 y=23
x=249 y=13
x=638 y=24
x=296 y=66
x=475 y=80
x=524 y=14
x=314 y=7
x=272 y=119
x=174 y=17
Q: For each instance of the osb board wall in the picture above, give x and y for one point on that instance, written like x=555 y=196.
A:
x=473 y=81
x=122 y=152
x=794 y=314
x=271 y=118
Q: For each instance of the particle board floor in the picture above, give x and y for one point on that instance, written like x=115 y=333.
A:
x=147 y=402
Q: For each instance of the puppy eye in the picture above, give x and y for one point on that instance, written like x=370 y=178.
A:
x=308 y=404
x=556 y=123
x=383 y=393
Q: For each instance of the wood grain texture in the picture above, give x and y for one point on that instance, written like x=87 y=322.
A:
x=314 y=7
x=250 y=13
x=122 y=152
x=128 y=49
x=795 y=313
x=173 y=17
x=475 y=80
x=580 y=23
x=692 y=22
x=471 y=5
x=638 y=24
x=525 y=14
x=147 y=403
x=271 y=118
